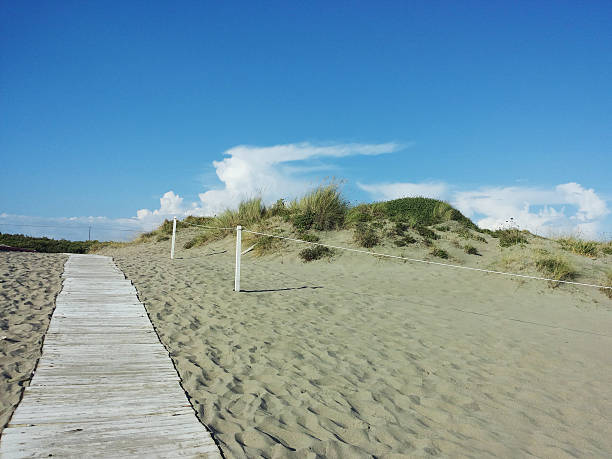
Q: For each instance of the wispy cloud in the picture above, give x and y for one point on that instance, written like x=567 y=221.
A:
x=270 y=172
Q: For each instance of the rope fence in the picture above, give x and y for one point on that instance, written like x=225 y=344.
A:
x=239 y=253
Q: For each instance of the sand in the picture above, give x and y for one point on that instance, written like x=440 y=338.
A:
x=361 y=357
x=29 y=283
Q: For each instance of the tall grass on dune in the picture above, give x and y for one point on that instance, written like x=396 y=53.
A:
x=251 y=211
x=555 y=267
x=579 y=246
x=607 y=282
x=322 y=209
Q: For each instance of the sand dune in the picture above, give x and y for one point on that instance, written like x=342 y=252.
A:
x=360 y=357
x=29 y=283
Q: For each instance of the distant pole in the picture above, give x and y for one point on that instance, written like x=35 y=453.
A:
x=238 y=252
x=173 y=238
x=89 y=236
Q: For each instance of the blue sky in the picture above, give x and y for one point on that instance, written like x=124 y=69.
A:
x=502 y=108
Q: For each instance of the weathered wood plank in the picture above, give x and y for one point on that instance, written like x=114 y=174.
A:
x=105 y=386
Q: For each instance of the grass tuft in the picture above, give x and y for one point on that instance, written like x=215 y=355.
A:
x=315 y=253
x=575 y=245
x=322 y=209
x=471 y=250
x=555 y=267
x=607 y=283
x=440 y=253
x=510 y=237
x=365 y=235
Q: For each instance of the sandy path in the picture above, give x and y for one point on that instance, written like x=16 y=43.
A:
x=361 y=358
x=29 y=283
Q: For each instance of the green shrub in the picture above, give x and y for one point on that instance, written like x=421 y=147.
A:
x=266 y=244
x=575 y=245
x=322 y=209
x=426 y=233
x=607 y=248
x=308 y=237
x=443 y=228
x=46 y=245
x=607 y=283
x=365 y=235
x=509 y=237
x=465 y=233
x=416 y=211
x=302 y=221
x=404 y=241
x=314 y=253
x=555 y=267
x=440 y=253
x=471 y=250
x=162 y=237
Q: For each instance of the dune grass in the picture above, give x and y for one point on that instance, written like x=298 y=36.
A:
x=607 y=282
x=510 y=237
x=440 y=253
x=315 y=253
x=322 y=209
x=417 y=211
x=365 y=235
x=555 y=267
x=579 y=246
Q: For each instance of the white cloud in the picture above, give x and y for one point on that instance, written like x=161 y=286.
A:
x=387 y=191
x=269 y=172
x=568 y=208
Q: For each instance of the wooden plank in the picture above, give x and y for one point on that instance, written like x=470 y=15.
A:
x=104 y=386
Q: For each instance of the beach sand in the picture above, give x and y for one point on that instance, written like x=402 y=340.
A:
x=362 y=357
x=29 y=283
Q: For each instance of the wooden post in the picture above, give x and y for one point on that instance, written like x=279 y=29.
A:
x=173 y=238
x=238 y=253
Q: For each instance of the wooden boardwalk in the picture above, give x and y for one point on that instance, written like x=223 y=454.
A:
x=104 y=386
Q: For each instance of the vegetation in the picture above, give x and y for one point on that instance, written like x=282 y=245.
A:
x=607 y=248
x=607 y=283
x=510 y=237
x=322 y=209
x=440 y=253
x=575 y=245
x=365 y=235
x=404 y=241
x=426 y=233
x=47 y=245
x=315 y=253
x=309 y=237
x=471 y=250
x=555 y=267
x=414 y=211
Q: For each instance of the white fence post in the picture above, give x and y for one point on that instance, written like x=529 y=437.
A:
x=173 y=238
x=238 y=253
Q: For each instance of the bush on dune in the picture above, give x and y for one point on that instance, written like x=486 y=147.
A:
x=555 y=267
x=579 y=246
x=322 y=209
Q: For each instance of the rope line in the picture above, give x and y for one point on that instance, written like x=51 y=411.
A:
x=448 y=265
x=208 y=227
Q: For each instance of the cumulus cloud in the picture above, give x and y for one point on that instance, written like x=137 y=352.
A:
x=567 y=208
x=270 y=172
